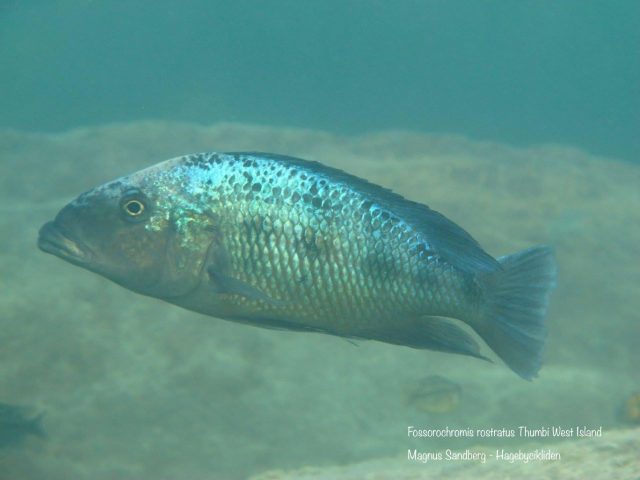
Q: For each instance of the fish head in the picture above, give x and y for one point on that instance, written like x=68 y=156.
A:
x=128 y=231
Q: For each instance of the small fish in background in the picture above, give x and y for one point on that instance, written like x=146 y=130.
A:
x=280 y=242
x=18 y=422
x=434 y=394
x=629 y=411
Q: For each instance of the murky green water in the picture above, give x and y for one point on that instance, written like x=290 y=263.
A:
x=134 y=388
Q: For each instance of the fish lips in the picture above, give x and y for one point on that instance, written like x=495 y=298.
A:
x=52 y=239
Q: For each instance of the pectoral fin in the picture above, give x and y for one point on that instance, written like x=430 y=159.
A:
x=233 y=286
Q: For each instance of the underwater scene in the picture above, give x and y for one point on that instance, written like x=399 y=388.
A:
x=276 y=301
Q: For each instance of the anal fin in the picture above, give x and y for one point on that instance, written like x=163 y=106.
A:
x=434 y=333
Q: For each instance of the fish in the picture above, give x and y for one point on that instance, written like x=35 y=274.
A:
x=290 y=244
x=629 y=410
x=16 y=423
x=434 y=394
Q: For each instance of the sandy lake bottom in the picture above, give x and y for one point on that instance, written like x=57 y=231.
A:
x=134 y=388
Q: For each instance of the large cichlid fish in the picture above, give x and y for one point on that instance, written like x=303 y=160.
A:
x=280 y=242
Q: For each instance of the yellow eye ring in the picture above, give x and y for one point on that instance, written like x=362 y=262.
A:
x=133 y=208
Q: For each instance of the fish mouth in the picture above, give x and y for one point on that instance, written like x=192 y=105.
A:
x=52 y=239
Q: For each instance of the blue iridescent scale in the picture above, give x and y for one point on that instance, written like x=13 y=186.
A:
x=327 y=251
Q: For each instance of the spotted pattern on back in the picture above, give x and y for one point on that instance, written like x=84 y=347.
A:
x=325 y=250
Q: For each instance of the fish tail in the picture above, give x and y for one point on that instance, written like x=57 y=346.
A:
x=518 y=297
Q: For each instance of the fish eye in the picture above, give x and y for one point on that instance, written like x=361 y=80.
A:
x=133 y=207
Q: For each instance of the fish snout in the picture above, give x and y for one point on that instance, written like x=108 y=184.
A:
x=52 y=239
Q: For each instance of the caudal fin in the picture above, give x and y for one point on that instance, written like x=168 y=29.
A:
x=518 y=296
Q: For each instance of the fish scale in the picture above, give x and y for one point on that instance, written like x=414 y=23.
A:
x=338 y=289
